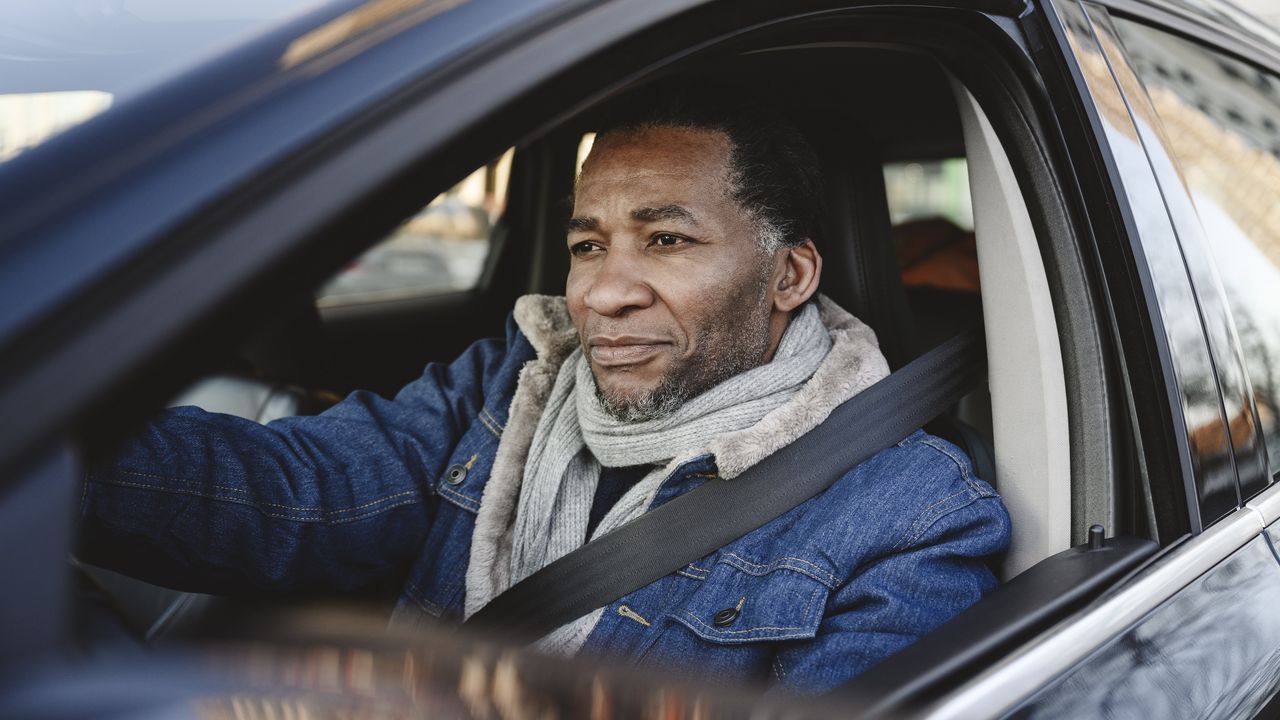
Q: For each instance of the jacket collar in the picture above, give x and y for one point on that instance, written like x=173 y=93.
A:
x=853 y=364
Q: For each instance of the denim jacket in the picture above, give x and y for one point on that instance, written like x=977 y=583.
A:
x=378 y=490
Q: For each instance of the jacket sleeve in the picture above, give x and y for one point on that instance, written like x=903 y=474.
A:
x=342 y=500
x=938 y=569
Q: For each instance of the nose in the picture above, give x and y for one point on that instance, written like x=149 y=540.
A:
x=617 y=287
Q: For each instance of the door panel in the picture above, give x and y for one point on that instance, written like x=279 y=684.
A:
x=37 y=507
x=1211 y=651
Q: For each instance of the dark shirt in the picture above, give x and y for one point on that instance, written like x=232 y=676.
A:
x=614 y=483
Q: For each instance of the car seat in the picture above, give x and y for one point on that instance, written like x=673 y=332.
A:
x=861 y=274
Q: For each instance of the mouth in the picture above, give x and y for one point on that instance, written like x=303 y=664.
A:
x=623 y=350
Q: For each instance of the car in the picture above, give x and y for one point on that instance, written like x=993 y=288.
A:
x=1096 y=182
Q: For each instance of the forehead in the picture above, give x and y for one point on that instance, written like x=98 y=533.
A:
x=657 y=155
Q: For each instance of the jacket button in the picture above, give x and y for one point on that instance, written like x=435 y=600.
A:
x=725 y=617
x=455 y=474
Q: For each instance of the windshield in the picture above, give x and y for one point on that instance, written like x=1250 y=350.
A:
x=64 y=61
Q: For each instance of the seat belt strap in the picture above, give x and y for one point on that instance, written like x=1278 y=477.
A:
x=703 y=520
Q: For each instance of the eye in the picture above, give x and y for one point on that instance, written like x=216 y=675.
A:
x=585 y=247
x=667 y=239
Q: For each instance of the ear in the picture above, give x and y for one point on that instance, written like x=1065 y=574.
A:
x=796 y=273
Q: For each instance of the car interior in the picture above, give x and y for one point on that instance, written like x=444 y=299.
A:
x=928 y=232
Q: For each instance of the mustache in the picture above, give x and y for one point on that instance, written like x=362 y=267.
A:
x=621 y=330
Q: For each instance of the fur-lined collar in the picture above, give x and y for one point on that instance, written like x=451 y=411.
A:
x=853 y=364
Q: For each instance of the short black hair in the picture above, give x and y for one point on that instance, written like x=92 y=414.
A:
x=776 y=175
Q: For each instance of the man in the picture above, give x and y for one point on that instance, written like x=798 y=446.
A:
x=691 y=343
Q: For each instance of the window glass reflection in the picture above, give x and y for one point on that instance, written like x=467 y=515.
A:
x=1222 y=119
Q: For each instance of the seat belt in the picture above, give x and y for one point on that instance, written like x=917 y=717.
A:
x=718 y=512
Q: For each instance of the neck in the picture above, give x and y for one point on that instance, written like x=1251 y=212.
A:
x=778 y=322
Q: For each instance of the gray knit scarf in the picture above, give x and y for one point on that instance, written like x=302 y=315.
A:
x=575 y=437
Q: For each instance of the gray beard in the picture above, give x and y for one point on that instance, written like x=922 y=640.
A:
x=664 y=400
x=750 y=342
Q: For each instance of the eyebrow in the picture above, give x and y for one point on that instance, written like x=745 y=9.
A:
x=664 y=212
x=673 y=211
x=582 y=224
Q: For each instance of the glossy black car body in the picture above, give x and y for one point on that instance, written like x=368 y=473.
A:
x=137 y=248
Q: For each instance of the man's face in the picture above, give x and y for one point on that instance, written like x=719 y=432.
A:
x=668 y=286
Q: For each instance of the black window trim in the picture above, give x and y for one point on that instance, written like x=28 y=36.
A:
x=1145 y=363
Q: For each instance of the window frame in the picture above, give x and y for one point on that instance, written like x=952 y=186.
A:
x=1254 y=473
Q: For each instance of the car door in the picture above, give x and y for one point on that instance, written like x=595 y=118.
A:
x=437 y=127
x=1194 y=633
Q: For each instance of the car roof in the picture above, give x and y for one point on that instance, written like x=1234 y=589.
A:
x=124 y=47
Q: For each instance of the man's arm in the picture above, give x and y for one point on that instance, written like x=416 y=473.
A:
x=342 y=500
x=939 y=570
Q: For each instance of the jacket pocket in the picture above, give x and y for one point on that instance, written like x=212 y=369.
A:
x=729 y=623
x=741 y=601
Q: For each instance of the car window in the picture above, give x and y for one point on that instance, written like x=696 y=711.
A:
x=932 y=215
x=1222 y=118
x=584 y=149
x=929 y=189
x=440 y=249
